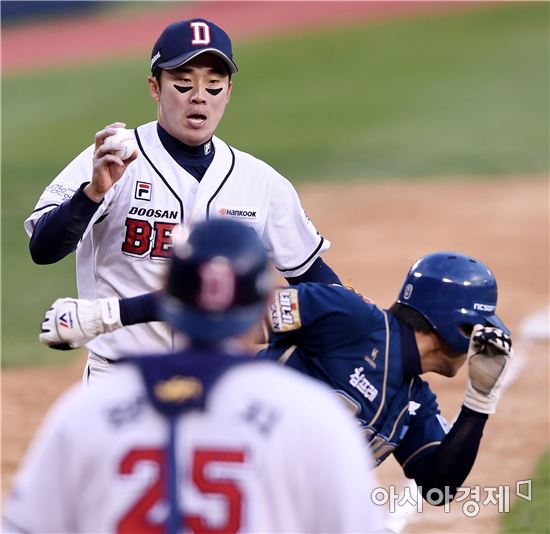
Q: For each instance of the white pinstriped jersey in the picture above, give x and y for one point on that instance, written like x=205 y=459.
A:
x=125 y=246
x=254 y=460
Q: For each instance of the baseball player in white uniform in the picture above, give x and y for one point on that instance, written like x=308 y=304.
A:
x=205 y=440
x=119 y=214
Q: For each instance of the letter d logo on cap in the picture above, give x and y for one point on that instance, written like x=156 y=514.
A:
x=201 y=33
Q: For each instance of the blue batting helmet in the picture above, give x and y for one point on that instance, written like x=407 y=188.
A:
x=453 y=293
x=218 y=281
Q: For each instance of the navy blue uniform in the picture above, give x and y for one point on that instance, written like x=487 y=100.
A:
x=371 y=360
x=367 y=356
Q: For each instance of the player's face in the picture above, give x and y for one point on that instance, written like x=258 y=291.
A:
x=450 y=364
x=436 y=356
x=450 y=361
x=192 y=98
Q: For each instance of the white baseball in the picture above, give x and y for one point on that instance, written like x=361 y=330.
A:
x=125 y=138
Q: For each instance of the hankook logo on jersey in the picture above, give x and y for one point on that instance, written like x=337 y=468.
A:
x=143 y=191
x=246 y=214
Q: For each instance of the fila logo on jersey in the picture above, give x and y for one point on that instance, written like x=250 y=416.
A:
x=143 y=191
x=201 y=33
x=284 y=312
x=360 y=382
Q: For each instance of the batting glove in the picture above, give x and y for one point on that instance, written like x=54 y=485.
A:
x=71 y=323
x=489 y=356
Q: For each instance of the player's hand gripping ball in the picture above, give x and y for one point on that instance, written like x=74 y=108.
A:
x=126 y=139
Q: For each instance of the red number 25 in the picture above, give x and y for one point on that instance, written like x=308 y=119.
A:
x=135 y=520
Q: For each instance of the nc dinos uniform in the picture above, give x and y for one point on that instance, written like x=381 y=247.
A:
x=123 y=250
x=367 y=356
x=252 y=447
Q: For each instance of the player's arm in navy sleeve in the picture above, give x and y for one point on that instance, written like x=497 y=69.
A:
x=448 y=464
x=142 y=309
x=318 y=272
x=58 y=231
x=319 y=318
x=434 y=456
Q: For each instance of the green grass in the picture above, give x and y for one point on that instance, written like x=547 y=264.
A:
x=460 y=94
x=532 y=517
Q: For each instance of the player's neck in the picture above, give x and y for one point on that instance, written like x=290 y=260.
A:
x=175 y=146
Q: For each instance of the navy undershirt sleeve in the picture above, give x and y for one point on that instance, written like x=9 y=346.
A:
x=143 y=308
x=140 y=309
x=58 y=231
x=451 y=462
x=318 y=272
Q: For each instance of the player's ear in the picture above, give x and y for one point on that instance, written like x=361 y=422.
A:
x=229 y=89
x=154 y=88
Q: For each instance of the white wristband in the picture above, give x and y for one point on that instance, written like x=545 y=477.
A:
x=109 y=315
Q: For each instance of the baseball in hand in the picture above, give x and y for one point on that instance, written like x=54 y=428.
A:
x=125 y=138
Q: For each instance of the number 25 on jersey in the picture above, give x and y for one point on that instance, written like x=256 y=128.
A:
x=204 y=461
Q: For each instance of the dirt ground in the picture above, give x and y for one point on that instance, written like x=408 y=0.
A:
x=377 y=231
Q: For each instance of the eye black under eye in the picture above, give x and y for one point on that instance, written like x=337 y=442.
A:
x=183 y=89
x=215 y=91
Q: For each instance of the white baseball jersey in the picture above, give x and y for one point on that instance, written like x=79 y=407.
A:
x=125 y=247
x=273 y=451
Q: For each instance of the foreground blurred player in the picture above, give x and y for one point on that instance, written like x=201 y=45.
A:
x=204 y=440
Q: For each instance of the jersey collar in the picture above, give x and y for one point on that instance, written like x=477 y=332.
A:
x=410 y=357
x=179 y=150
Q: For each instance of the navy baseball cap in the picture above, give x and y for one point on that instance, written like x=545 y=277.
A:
x=182 y=41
